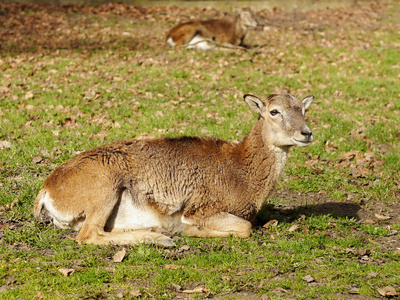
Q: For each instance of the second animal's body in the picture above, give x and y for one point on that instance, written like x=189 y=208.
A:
x=204 y=34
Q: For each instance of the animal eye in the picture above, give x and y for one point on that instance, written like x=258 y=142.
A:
x=274 y=112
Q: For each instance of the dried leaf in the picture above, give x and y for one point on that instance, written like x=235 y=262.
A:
x=28 y=95
x=373 y=275
x=354 y=290
x=66 y=272
x=5 y=145
x=388 y=291
x=12 y=204
x=183 y=249
x=382 y=217
x=264 y=297
x=39 y=295
x=173 y=267
x=308 y=278
x=351 y=251
x=37 y=159
x=361 y=172
x=271 y=223
x=369 y=221
x=199 y=289
x=330 y=147
x=293 y=228
x=135 y=293
x=120 y=255
x=349 y=155
x=176 y=287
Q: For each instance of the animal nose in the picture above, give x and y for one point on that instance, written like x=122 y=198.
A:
x=306 y=133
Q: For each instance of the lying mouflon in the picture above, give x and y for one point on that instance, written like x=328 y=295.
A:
x=131 y=191
x=198 y=34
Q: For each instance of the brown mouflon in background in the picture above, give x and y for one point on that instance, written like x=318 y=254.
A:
x=198 y=34
x=130 y=191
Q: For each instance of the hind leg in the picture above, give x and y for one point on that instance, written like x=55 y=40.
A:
x=139 y=236
x=93 y=229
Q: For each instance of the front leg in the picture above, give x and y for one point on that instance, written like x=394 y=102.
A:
x=218 y=225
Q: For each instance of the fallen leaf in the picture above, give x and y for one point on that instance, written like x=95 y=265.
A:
x=135 y=293
x=382 y=217
x=308 y=278
x=373 y=275
x=119 y=256
x=349 y=155
x=10 y=206
x=183 y=248
x=330 y=147
x=264 y=297
x=361 y=172
x=66 y=272
x=388 y=291
x=39 y=295
x=199 y=289
x=176 y=287
x=352 y=251
x=37 y=159
x=354 y=290
x=5 y=145
x=28 y=95
x=293 y=228
x=271 y=223
x=120 y=295
x=173 y=267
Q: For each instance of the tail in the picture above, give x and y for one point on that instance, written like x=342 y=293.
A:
x=39 y=204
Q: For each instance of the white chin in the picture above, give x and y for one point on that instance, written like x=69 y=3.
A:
x=301 y=143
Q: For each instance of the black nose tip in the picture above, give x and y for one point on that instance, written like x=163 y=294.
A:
x=306 y=133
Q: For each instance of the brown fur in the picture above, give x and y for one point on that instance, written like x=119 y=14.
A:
x=213 y=187
x=220 y=31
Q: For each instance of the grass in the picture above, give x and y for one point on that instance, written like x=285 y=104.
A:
x=66 y=88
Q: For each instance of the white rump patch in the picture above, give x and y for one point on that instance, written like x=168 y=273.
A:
x=171 y=42
x=60 y=219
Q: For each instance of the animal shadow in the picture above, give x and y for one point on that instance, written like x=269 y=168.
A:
x=336 y=210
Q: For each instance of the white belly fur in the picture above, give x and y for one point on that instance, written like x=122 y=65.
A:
x=130 y=217
x=200 y=43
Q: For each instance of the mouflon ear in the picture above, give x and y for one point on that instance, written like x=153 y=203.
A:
x=255 y=104
x=307 y=101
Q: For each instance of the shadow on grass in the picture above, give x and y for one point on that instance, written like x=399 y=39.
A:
x=339 y=210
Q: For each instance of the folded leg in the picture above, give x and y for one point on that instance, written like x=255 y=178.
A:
x=219 y=225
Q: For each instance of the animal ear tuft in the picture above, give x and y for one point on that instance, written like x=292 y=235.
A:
x=307 y=101
x=255 y=103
